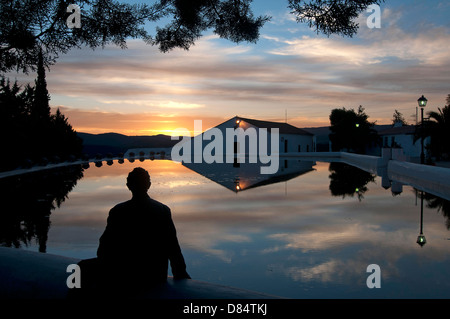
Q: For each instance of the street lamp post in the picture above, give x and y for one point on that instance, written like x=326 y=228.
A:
x=422 y=103
x=421 y=240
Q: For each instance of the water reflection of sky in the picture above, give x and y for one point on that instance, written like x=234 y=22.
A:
x=291 y=238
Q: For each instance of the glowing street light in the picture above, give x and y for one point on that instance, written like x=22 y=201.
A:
x=421 y=240
x=238 y=121
x=422 y=101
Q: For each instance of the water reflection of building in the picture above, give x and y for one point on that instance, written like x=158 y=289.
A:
x=247 y=175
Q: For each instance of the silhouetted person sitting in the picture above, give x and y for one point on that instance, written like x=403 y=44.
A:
x=138 y=242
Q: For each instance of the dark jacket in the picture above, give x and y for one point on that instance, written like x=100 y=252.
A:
x=139 y=240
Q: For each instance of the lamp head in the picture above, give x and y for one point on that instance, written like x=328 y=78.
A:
x=422 y=101
x=421 y=240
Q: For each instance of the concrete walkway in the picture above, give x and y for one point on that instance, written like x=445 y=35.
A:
x=32 y=275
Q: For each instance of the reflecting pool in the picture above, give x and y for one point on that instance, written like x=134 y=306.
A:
x=310 y=231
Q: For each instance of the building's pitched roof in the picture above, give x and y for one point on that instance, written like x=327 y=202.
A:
x=401 y=130
x=284 y=128
x=246 y=176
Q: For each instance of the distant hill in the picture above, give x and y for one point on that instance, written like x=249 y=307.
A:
x=118 y=143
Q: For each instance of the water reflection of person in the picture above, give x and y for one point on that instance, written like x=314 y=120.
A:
x=139 y=240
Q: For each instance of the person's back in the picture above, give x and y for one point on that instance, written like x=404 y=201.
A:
x=138 y=242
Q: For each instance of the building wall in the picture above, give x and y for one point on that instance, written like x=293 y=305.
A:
x=290 y=143
x=287 y=143
x=406 y=142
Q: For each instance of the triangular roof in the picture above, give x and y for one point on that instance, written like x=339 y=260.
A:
x=248 y=175
x=284 y=128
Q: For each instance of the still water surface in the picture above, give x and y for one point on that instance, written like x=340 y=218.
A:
x=306 y=236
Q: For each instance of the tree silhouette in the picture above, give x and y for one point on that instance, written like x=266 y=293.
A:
x=330 y=16
x=439 y=130
x=40 y=106
x=441 y=205
x=397 y=117
x=15 y=123
x=28 y=132
x=64 y=138
x=29 y=26
x=437 y=127
x=347 y=180
x=351 y=130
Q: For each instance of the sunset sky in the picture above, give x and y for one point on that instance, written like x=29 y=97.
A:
x=291 y=69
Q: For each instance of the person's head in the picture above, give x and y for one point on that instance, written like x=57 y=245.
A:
x=138 y=181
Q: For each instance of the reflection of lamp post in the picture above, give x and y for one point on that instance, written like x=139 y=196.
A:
x=237 y=185
x=422 y=103
x=421 y=240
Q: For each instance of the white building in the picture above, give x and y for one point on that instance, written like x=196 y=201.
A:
x=241 y=140
x=402 y=138
x=292 y=139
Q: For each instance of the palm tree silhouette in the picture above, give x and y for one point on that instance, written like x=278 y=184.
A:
x=439 y=130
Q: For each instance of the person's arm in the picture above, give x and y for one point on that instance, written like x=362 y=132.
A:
x=176 y=258
x=105 y=243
